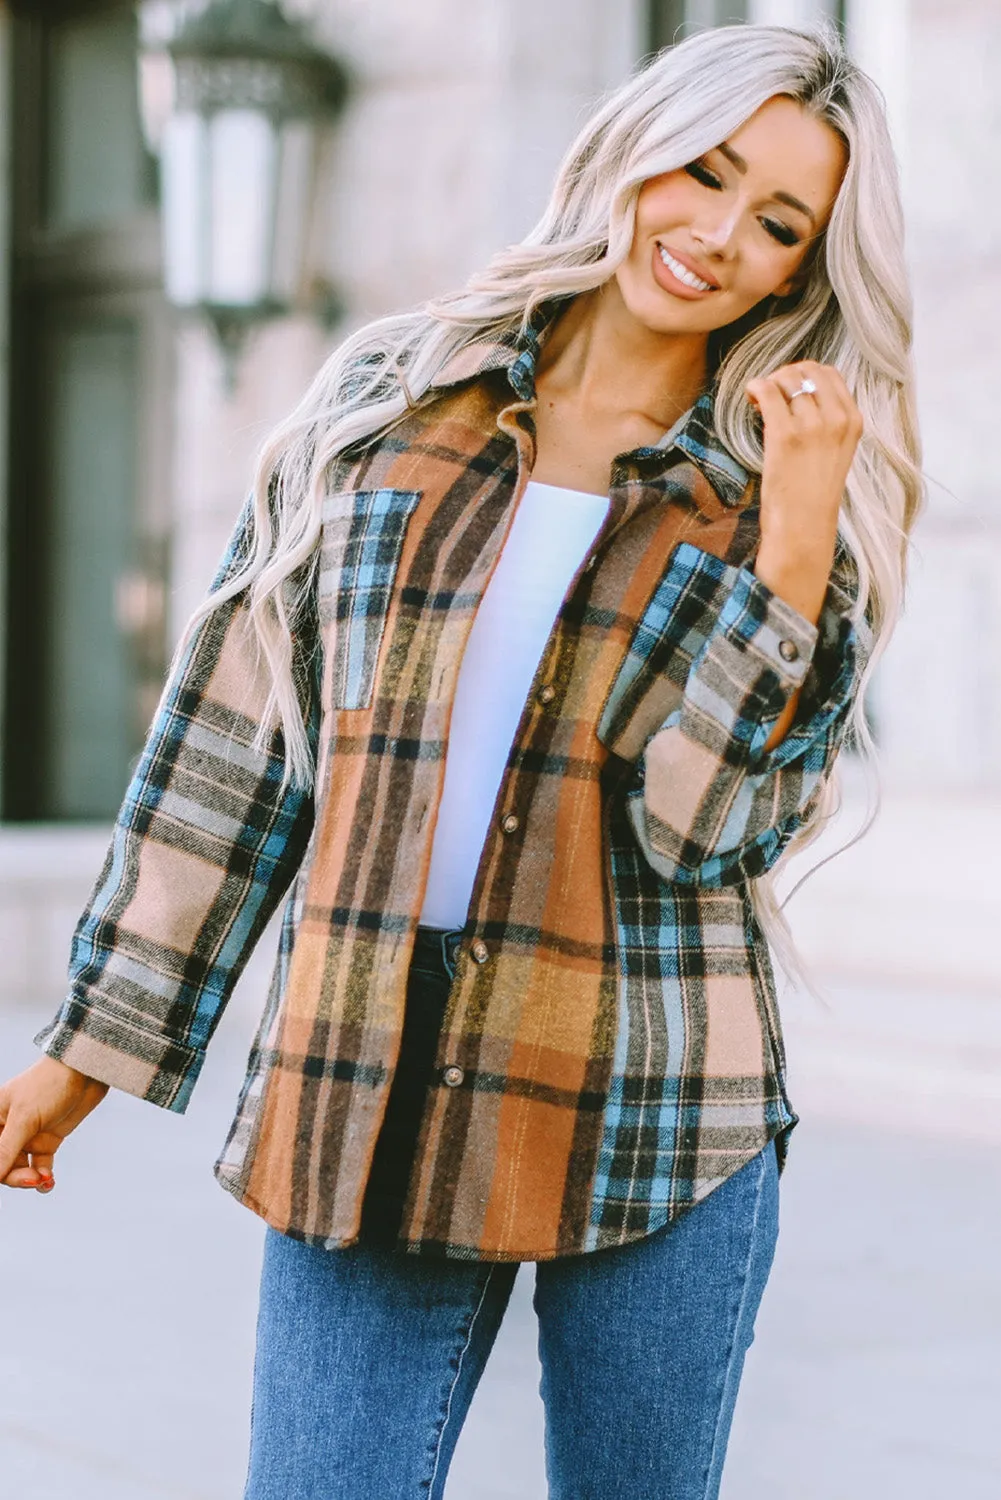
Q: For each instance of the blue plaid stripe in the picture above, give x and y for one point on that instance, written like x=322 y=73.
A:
x=365 y=573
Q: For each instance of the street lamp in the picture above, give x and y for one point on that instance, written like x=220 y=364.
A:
x=236 y=94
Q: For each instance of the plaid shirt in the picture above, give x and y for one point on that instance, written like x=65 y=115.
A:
x=611 y=1050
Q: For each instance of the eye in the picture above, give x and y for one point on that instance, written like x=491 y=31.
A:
x=780 y=232
x=701 y=173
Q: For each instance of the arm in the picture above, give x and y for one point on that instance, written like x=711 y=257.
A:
x=737 y=769
x=206 y=842
x=808 y=452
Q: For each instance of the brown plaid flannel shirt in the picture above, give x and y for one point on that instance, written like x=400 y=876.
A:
x=611 y=1050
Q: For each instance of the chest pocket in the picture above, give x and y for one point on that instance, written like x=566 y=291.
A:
x=362 y=540
x=676 y=622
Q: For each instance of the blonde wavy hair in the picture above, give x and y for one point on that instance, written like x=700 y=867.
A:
x=854 y=312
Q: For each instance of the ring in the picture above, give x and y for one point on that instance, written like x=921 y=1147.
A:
x=808 y=388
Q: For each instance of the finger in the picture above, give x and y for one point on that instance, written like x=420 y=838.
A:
x=832 y=396
x=35 y=1164
x=22 y=1174
x=14 y=1136
x=840 y=399
x=829 y=376
x=790 y=381
x=834 y=401
x=21 y=1163
x=27 y=1177
x=768 y=397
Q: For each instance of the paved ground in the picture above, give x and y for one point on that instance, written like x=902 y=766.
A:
x=127 y=1298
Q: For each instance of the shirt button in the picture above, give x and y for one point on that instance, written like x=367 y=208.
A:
x=511 y=823
x=453 y=1076
x=547 y=693
x=788 y=650
x=590 y=562
x=478 y=949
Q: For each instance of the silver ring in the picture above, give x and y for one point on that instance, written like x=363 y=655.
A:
x=808 y=388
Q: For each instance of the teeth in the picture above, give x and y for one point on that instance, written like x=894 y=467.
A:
x=682 y=272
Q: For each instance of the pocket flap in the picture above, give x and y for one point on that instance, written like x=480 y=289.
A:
x=675 y=624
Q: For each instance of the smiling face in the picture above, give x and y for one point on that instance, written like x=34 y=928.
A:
x=715 y=237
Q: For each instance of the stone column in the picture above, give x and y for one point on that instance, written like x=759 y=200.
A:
x=788 y=12
x=938 y=699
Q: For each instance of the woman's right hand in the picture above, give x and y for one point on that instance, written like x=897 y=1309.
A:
x=38 y=1109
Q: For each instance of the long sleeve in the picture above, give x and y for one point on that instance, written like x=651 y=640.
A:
x=708 y=803
x=205 y=844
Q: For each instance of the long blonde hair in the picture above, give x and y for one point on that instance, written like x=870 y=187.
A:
x=854 y=312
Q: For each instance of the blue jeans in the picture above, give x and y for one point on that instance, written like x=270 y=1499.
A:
x=367 y=1359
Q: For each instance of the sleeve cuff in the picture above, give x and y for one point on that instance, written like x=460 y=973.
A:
x=757 y=620
x=756 y=658
x=144 y=1063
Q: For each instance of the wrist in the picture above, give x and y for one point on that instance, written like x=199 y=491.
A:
x=47 y=1063
x=799 y=574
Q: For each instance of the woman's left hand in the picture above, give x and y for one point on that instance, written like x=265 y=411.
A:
x=809 y=443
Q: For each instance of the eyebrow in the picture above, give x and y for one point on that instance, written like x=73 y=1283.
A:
x=735 y=158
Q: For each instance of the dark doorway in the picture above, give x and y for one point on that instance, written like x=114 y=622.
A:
x=87 y=497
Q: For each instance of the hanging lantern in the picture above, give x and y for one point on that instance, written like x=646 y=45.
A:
x=238 y=126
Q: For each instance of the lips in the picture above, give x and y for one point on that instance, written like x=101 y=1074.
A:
x=683 y=264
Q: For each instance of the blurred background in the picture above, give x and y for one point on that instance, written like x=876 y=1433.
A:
x=196 y=203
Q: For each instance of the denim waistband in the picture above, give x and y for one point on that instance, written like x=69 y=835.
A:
x=436 y=947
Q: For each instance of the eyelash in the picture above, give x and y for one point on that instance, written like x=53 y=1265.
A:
x=708 y=178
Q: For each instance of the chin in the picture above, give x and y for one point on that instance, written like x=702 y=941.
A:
x=659 y=316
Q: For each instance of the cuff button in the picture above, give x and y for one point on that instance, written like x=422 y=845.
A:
x=788 y=650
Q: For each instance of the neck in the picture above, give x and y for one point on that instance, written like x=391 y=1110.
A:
x=602 y=359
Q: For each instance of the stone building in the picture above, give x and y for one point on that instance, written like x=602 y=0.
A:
x=124 y=456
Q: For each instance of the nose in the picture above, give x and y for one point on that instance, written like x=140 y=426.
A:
x=716 y=234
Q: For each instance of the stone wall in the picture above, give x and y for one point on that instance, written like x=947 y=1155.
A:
x=940 y=697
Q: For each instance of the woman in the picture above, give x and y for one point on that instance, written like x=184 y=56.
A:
x=622 y=526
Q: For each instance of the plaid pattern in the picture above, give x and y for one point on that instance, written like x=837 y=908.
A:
x=613 y=1010
x=362 y=536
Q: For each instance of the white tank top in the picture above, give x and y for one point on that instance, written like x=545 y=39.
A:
x=549 y=538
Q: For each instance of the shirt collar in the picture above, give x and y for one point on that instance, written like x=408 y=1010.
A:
x=517 y=353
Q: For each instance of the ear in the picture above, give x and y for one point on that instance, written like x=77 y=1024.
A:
x=793 y=284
